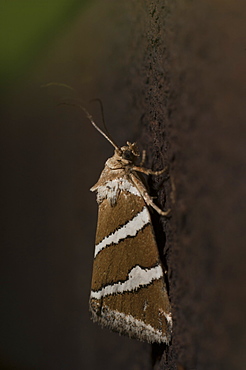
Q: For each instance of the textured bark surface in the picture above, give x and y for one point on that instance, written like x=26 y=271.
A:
x=172 y=76
x=193 y=90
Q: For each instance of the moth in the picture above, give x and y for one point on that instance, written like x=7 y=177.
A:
x=128 y=292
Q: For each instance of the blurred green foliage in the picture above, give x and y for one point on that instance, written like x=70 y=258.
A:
x=27 y=27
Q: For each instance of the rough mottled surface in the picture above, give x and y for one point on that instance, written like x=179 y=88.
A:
x=191 y=83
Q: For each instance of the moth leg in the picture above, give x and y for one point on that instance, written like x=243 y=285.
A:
x=148 y=171
x=148 y=200
x=143 y=158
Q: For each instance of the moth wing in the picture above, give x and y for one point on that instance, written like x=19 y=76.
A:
x=128 y=293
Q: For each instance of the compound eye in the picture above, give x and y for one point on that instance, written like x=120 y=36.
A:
x=127 y=154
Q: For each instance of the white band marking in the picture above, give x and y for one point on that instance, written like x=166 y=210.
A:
x=113 y=186
x=137 y=278
x=169 y=319
x=131 y=228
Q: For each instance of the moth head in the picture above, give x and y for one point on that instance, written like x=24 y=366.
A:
x=129 y=152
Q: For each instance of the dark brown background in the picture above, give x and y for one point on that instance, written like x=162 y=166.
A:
x=172 y=75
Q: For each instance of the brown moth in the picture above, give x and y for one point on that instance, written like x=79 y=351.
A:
x=128 y=293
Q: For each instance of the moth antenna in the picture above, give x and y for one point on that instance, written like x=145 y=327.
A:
x=90 y=118
x=103 y=118
x=58 y=84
